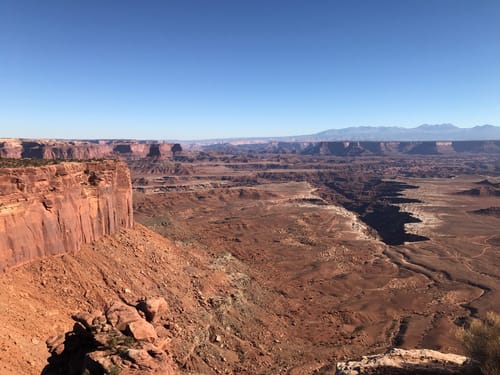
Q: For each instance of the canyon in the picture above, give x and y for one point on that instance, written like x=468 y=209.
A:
x=138 y=150
x=359 y=148
x=269 y=262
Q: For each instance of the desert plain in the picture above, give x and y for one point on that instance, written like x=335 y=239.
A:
x=280 y=263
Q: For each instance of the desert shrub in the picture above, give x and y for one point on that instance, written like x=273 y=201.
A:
x=26 y=162
x=482 y=342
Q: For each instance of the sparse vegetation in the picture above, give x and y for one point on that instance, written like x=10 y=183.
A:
x=18 y=163
x=118 y=340
x=31 y=162
x=482 y=342
x=120 y=344
x=113 y=342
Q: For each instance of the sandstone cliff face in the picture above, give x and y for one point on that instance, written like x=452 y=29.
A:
x=45 y=149
x=10 y=149
x=55 y=209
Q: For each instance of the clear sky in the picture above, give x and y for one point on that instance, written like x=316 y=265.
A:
x=206 y=69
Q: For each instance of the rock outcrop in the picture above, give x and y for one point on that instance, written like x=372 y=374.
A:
x=117 y=341
x=54 y=209
x=11 y=148
x=113 y=149
x=400 y=361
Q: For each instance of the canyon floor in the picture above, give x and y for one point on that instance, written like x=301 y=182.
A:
x=272 y=264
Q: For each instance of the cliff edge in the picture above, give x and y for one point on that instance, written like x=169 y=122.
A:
x=93 y=149
x=54 y=209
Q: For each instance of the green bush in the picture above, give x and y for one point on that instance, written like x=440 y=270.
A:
x=482 y=342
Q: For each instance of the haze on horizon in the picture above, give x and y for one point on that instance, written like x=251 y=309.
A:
x=199 y=70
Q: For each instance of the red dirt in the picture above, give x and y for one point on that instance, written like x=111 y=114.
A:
x=264 y=273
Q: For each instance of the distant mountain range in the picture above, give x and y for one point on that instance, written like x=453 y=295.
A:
x=442 y=132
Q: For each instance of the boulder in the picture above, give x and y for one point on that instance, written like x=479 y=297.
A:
x=119 y=341
x=121 y=315
x=85 y=318
x=142 y=331
x=153 y=308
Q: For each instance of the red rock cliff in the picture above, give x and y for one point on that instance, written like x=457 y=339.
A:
x=55 y=209
x=112 y=149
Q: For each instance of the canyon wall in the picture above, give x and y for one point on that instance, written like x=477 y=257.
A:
x=112 y=149
x=54 y=209
x=401 y=148
x=362 y=148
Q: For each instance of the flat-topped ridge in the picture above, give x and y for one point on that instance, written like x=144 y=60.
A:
x=105 y=149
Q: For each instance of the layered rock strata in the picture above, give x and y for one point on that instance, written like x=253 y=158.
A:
x=360 y=148
x=54 y=209
x=401 y=148
x=47 y=149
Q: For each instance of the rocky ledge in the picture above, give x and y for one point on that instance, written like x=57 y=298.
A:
x=123 y=339
x=400 y=362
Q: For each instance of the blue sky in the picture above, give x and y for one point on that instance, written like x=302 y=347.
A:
x=208 y=69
